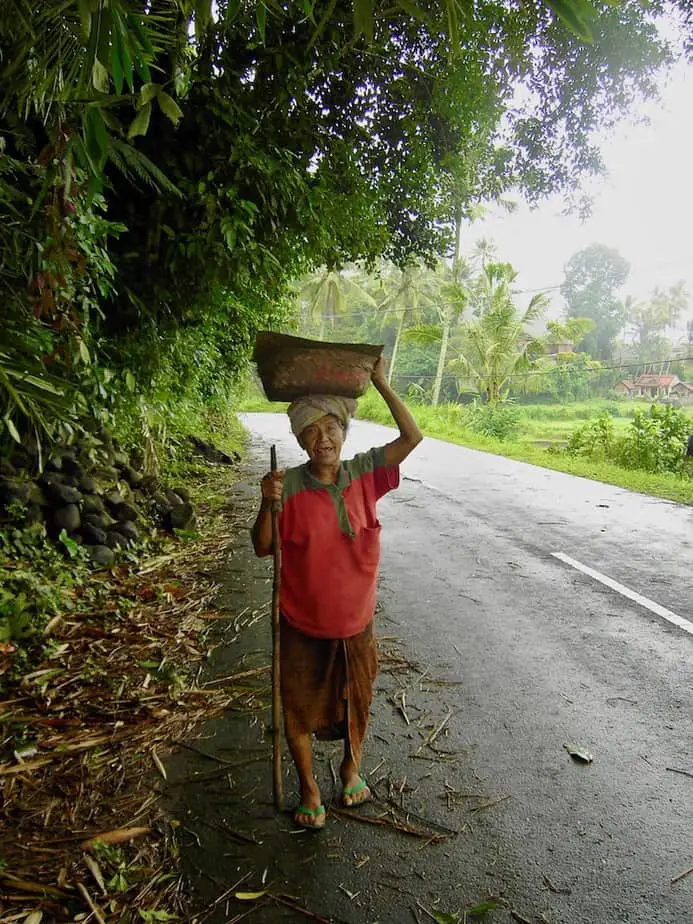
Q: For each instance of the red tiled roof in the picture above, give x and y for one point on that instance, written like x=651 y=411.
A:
x=654 y=380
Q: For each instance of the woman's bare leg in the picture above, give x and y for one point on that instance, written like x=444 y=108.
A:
x=302 y=753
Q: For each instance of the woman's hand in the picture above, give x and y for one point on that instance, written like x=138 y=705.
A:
x=378 y=376
x=271 y=486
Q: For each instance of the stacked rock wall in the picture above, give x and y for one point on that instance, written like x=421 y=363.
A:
x=93 y=492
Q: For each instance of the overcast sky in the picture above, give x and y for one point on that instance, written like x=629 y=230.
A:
x=644 y=208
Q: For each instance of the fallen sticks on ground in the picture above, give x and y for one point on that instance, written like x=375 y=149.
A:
x=490 y=804
x=436 y=732
x=682 y=772
x=389 y=821
x=213 y=774
x=242 y=676
x=100 y=722
x=682 y=875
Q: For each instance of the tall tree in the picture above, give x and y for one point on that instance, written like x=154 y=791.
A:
x=409 y=291
x=239 y=146
x=453 y=297
x=498 y=345
x=490 y=289
x=650 y=318
x=591 y=281
x=326 y=293
x=483 y=252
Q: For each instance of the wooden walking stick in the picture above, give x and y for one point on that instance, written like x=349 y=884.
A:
x=276 y=676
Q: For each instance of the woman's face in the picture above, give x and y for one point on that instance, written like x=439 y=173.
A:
x=323 y=440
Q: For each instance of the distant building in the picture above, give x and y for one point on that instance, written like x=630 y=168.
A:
x=655 y=385
x=683 y=391
x=555 y=349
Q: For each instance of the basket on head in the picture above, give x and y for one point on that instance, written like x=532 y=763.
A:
x=290 y=367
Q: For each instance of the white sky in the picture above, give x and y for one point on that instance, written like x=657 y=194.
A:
x=644 y=208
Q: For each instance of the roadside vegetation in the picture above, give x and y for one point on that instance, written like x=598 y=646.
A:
x=639 y=452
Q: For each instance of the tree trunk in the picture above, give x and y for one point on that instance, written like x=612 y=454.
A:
x=458 y=244
x=441 y=359
x=447 y=320
x=395 y=349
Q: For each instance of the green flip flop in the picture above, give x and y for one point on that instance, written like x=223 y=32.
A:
x=354 y=791
x=312 y=813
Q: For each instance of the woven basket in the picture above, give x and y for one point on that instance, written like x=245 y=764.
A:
x=290 y=367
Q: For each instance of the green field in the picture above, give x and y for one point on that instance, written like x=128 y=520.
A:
x=543 y=429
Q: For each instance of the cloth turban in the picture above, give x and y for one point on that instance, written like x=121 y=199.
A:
x=305 y=411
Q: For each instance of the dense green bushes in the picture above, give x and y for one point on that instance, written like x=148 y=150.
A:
x=654 y=441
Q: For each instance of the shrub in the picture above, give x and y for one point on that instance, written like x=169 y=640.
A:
x=655 y=441
x=594 y=440
x=499 y=421
x=417 y=394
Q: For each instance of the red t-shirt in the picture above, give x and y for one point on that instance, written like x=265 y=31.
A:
x=330 y=537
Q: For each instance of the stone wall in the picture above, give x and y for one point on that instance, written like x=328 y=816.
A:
x=92 y=491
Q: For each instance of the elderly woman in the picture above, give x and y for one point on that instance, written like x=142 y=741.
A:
x=330 y=538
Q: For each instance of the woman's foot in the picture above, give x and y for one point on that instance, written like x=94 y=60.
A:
x=311 y=812
x=355 y=790
x=310 y=819
x=356 y=793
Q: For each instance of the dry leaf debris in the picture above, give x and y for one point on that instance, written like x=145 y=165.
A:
x=84 y=737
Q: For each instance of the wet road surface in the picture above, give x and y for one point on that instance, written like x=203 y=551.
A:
x=496 y=655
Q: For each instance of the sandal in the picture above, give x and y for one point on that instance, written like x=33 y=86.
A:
x=312 y=813
x=352 y=791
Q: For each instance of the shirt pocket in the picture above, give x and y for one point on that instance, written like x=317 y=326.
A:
x=367 y=546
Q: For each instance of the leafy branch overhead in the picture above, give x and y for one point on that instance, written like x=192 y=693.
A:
x=170 y=167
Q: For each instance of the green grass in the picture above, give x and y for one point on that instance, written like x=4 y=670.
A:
x=538 y=423
x=579 y=411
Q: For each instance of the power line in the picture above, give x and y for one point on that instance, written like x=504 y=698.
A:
x=379 y=310
x=521 y=375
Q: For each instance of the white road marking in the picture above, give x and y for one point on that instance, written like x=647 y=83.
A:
x=662 y=611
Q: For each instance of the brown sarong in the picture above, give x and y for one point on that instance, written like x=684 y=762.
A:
x=327 y=685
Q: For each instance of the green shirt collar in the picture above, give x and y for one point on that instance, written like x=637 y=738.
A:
x=314 y=484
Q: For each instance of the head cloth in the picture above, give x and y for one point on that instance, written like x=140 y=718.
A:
x=306 y=410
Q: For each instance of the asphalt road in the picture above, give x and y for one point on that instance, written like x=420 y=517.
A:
x=529 y=654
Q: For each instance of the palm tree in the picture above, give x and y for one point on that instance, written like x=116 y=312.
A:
x=449 y=302
x=403 y=305
x=497 y=346
x=325 y=296
x=455 y=296
x=453 y=301
x=490 y=289
x=484 y=251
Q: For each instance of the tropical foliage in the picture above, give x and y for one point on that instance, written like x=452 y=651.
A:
x=592 y=279
x=650 y=318
x=497 y=344
x=654 y=442
x=169 y=167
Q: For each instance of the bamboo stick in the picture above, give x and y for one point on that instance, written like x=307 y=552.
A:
x=276 y=678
